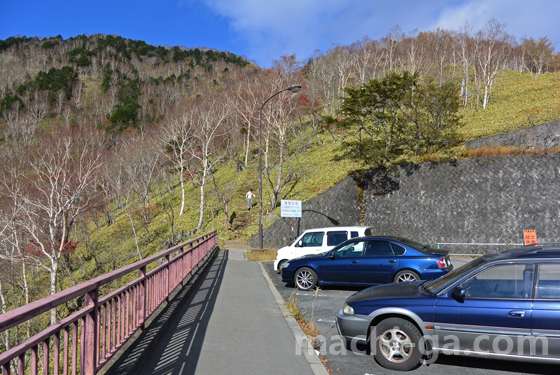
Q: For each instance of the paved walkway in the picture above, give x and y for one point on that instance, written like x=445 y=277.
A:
x=231 y=325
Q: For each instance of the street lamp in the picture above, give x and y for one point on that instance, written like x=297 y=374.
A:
x=294 y=89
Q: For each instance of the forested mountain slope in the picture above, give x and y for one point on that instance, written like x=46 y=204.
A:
x=113 y=149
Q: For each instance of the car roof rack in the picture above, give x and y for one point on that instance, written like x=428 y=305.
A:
x=544 y=247
x=545 y=244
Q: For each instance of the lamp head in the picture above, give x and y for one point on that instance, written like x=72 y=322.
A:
x=294 y=88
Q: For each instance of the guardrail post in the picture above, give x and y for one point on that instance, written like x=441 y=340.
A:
x=182 y=264
x=168 y=277
x=142 y=303
x=91 y=334
x=46 y=355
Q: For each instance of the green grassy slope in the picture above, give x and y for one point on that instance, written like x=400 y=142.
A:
x=516 y=103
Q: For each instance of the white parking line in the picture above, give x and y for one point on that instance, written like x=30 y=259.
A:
x=311 y=294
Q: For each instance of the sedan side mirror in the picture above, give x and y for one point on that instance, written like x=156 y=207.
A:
x=331 y=255
x=458 y=293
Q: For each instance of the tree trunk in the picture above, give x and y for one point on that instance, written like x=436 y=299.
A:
x=226 y=213
x=248 y=145
x=182 y=189
x=202 y=185
x=6 y=335
x=53 y=272
x=133 y=230
x=278 y=186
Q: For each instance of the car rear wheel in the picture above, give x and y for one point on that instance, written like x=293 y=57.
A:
x=406 y=275
x=306 y=278
x=397 y=344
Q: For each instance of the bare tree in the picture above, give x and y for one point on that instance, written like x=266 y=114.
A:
x=391 y=42
x=280 y=117
x=38 y=107
x=367 y=57
x=139 y=160
x=60 y=100
x=538 y=53
x=208 y=114
x=57 y=187
x=246 y=98
x=493 y=46
x=223 y=191
x=77 y=94
x=177 y=141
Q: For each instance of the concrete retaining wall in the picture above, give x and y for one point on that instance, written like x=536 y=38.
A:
x=475 y=200
x=470 y=201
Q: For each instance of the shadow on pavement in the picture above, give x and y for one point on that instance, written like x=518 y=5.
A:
x=179 y=350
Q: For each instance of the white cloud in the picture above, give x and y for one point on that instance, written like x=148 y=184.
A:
x=537 y=18
x=268 y=29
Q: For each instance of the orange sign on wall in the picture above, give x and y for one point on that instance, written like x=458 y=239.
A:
x=529 y=237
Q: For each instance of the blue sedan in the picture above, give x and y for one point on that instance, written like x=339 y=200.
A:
x=367 y=261
x=503 y=306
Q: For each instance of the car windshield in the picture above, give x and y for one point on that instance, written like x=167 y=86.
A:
x=439 y=284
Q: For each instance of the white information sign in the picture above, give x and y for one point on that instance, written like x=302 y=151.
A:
x=289 y=208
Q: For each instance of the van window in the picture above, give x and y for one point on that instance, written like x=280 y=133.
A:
x=313 y=239
x=335 y=238
x=548 y=281
x=354 y=234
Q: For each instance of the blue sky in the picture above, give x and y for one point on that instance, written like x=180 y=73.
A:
x=264 y=30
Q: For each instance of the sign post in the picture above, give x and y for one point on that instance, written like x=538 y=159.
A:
x=290 y=208
x=529 y=237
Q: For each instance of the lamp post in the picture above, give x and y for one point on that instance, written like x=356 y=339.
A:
x=294 y=89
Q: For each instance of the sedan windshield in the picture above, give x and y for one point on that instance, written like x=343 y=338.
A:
x=439 y=284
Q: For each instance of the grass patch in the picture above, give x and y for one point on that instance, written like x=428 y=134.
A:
x=492 y=152
x=308 y=327
x=516 y=102
x=260 y=255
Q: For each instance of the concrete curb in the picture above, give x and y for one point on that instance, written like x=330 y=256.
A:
x=309 y=353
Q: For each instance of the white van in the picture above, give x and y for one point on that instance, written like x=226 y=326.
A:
x=319 y=240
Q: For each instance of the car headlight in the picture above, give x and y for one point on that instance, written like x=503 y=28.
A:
x=348 y=310
x=284 y=265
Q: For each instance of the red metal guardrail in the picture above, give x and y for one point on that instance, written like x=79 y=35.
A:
x=87 y=339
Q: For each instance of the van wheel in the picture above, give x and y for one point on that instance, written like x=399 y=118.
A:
x=396 y=346
x=306 y=278
x=280 y=265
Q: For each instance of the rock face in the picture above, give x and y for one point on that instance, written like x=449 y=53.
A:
x=540 y=136
x=469 y=201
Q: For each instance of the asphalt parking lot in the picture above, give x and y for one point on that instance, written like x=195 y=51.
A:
x=321 y=308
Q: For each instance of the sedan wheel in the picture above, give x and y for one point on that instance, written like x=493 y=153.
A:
x=306 y=278
x=404 y=276
x=397 y=344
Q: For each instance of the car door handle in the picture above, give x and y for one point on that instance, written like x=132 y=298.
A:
x=517 y=314
x=354 y=262
x=392 y=261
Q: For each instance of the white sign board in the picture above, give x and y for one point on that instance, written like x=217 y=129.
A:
x=290 y=208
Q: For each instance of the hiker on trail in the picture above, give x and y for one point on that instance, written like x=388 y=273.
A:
x=250 y=195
